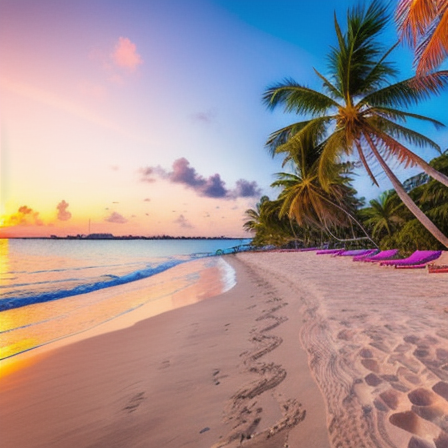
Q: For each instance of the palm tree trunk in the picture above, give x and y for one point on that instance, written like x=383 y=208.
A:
x=410 y=204
x=430 y=171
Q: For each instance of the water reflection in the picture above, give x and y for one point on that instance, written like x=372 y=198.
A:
x=5 y=276
x=28 y=327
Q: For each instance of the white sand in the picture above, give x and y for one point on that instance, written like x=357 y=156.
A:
x=233 y=370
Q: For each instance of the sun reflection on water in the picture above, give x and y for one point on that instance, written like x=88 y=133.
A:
x=35 y=325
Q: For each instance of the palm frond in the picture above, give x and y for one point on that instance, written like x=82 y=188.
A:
x=433 y=48
x=332 y=148
x=281 y=136
x=297 y=98
x=400 y=132
x=409 y=92
x=307 y=135
x=381 y=72
x=355 y=60
x=413 y=17
x=329 y=86
x=439 y=213
x=396 y=114
x=389 y=148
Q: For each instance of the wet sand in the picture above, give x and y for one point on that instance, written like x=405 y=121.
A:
x=305 y=351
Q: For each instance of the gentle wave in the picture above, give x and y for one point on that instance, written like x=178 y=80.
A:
x=15 y=299
x=113 y=280
x=184 y=284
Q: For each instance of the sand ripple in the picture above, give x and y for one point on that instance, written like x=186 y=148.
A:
x=377 y=341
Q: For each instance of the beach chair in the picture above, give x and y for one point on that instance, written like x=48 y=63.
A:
x=417 y=259
x=356 y=253
x=380 y=256
x=440 y=266
x=329 y=251
x=367 y=254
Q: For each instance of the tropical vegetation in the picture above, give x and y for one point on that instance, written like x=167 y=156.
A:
x=360 y=116
x=424 y=25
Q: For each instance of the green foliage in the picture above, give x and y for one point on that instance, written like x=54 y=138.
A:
x=267 y=226
x=411 y=237
x=405 y=232
x=385 y=215
x=359 y=112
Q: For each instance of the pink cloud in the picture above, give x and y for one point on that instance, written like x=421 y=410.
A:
x=116 y=218
x=125 y=54
x=211 y=187
x=183 y=222
x=63 y=213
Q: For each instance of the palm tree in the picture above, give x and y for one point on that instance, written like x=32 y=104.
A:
x=359 y=111
x=424 y=25
x=268 y=227
x=304 y=199
x=254 y=216
x=383 y=215
x=434 y=197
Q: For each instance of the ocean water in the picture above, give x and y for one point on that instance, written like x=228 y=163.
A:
x=51 y=289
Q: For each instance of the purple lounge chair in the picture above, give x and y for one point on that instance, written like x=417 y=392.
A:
x=419 y=257
x=410 y=266
x=441 y=266
x=381 y=256
x=329 y=251
x=367 y=254
x=356 y=252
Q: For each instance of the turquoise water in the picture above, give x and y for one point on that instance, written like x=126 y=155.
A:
x=50 y=289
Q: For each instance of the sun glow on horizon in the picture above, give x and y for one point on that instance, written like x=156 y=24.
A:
x=150 y=122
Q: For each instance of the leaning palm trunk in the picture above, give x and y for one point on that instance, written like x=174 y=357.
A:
x=430 y=171
x=410 y=204
x=359 y=100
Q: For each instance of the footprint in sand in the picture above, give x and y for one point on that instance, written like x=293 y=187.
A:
x=134 y=402
x=404 y=384
x=402 y=395
x=217 y=377
x=165 y=364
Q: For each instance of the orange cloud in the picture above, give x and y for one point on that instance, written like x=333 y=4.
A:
x=125 y=54
x=24 y=216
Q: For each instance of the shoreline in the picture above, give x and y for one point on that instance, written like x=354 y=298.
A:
x=303 y=352
x=209 y=374
x=110 y=308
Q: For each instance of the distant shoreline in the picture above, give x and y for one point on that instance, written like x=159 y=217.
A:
x=130 y=237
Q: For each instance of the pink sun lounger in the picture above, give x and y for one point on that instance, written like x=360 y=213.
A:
x=419 y=257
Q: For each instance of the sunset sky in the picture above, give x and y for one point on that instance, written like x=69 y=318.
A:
x=145 y=117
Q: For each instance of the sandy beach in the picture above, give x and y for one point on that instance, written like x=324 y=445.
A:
x=305 y=351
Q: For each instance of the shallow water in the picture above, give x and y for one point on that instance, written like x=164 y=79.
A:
x=64 y=284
